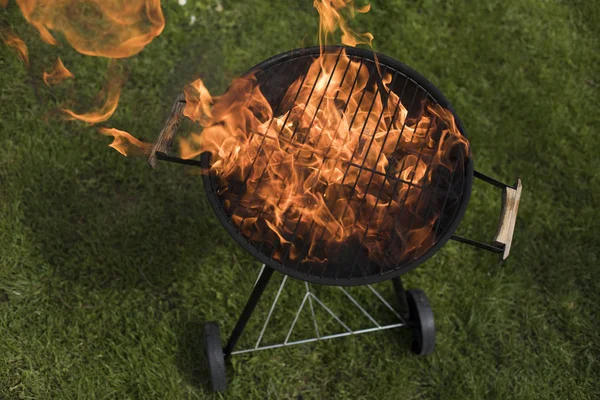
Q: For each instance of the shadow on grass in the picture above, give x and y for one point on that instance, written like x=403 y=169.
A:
x=107 y=236
x=190 y=358
x=116 y=232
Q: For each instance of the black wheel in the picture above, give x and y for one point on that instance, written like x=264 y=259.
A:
x=421 y=320
x=215 y=356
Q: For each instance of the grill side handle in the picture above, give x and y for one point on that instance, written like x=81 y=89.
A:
x=506 y=226
x=162 y=147
x=511 y=196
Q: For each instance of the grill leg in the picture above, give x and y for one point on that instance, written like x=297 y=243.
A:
x=401 y=295
x=255 y=296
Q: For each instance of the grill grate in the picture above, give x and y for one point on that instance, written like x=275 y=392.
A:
x=443 y=193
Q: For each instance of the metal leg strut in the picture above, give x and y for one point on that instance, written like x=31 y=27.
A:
x=255 y=296
x=401 y=295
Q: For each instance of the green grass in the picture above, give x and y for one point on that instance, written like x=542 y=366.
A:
x=109 y=269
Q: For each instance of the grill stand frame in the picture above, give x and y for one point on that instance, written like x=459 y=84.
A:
x=264 y=277
x=414 y=312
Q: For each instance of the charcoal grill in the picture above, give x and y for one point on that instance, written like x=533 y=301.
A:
x=446 y=194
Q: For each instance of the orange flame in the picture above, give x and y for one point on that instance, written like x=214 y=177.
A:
x=12 y=40
x=300 y=168
x=198 y=101
x=342 y=163
x=113 y=92
x=330 y=18
x=58 y=73
x=124 y=143
x=108 y=28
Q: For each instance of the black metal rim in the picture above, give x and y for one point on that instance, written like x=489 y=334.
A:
x=211 y=191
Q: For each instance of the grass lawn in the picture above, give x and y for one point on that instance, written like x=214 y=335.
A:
x=108 y=269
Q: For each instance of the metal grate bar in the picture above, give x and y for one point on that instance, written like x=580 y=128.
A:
x=263 y=140
x=325 y=158
x=302 y=144
x=411 y=183
x=397 y=142
x=320 y=101
x=331 y=144
x=270 y=123
x=337 y=94
x=280 y=131
x=337 y=129
x=413 y=170
x=432 y=157
x=260 y=179
x=375 y=96
x=292 y=138
x=371 y=178
x=296 y=158
x=394 y=190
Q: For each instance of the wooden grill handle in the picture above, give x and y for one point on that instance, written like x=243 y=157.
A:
x=508 y=215
x=165 y=139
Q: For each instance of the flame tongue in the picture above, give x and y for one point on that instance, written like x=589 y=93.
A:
x=12 y=40
x=58 y=74
x=124 y=143
x=330 y=18
x=113 y=92
x=112 y=28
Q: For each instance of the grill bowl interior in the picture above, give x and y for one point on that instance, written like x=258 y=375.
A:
x=348 y=264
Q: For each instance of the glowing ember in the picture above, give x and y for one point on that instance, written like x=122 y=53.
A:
x=58 y=74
